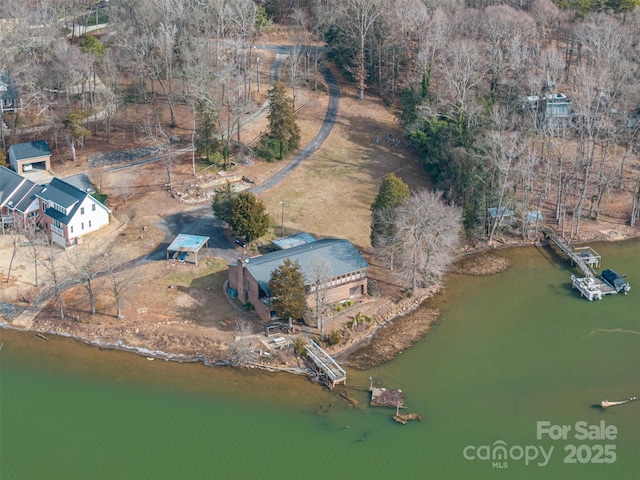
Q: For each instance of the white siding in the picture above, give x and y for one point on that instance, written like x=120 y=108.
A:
x=80 y=222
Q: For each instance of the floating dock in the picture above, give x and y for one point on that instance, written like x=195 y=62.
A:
x=586 y=259
x=591 y=288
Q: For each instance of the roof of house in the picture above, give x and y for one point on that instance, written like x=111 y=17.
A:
x=293 y=240
x=8 y=89
x=67 y=196
x=16 y=192
x=340 y=254
x=81 y=181
x=24 y=151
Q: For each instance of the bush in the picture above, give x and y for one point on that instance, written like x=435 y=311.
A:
x=361 y=319
x=269 y=149
x=334 y=337
x=298 y=346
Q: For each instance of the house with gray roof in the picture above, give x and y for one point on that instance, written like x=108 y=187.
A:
x=18 y=201
x=70 y=212
x=27 y=156
x=346 y=276
x=9 y=94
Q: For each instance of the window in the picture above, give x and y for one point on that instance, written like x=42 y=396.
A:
x=89 y=223
x=71 y=229
x=93 y=207
x=82 y=226
x=81 y=210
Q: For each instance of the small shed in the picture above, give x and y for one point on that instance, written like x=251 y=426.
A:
x=27 y=156
x=505 y=215
x=185 y=248
x=534 y=217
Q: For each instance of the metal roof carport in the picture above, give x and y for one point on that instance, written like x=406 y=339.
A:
x=184 y=246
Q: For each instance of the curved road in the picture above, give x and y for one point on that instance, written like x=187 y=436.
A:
x=200 y=220
x=316 y=142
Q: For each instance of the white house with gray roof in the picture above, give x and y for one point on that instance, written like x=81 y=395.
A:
x=70 y=213
x=18 y=201
x=347 y=278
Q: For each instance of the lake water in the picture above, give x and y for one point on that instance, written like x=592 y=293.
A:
x=510 y=351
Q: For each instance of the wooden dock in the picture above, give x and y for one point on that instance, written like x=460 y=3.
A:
x=329 y=372
x=585 y=258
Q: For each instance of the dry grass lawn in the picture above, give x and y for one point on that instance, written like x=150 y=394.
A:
x=330 y=194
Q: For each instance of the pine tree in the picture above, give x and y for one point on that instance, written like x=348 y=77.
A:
x=282 y=120
x=393 y=191
x=288 y=293
x=223 y=201
x=248 y=216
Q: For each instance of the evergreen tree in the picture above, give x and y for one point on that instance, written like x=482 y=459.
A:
x=248 y=216
x=207 y=143
x=222 y=202
x=282 y=120
x=393 y=191
x=288 y=293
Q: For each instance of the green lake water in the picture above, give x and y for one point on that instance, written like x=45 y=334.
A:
x=511 y=350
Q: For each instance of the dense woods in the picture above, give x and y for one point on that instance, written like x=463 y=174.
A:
x=476 y=84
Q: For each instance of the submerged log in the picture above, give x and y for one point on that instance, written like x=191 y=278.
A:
x=405 y=418
x=606 y=403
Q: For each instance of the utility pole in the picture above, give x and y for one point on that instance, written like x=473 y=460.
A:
x=282 y=218
x=258 y=71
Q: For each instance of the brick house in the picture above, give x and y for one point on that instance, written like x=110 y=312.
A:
x=249 y=278
x=18 y=201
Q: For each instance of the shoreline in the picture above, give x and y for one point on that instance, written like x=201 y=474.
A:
x=402 y=328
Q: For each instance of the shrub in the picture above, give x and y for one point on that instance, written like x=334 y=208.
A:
x=361 y=319
x=269 y=149
x=298 y=346
x=334 y=337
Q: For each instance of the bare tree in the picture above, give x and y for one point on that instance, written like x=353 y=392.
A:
x=426 y=233
x=85 y=261
x=16 y=235
x=358 y=18
x=320 y=273
x=37 y=241
x=242 y=353
x=119 y=279
x=50 y=263
x=157 y=137
x=503 y=149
